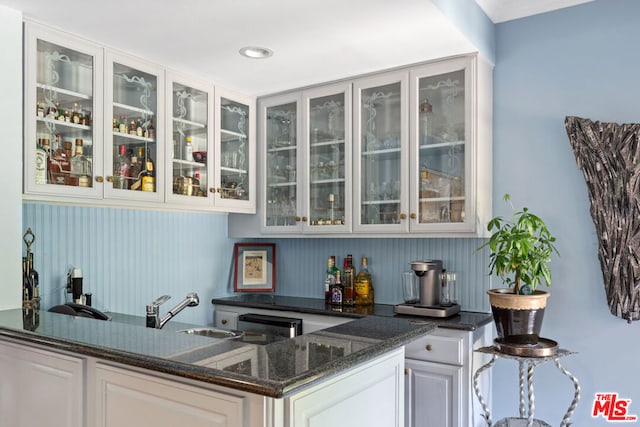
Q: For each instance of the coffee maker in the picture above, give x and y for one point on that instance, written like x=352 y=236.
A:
x=430 y=275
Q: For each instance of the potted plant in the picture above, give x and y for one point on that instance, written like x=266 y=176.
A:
x=520 y=253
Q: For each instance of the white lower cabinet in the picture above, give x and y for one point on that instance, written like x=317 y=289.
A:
x=127 y=398
x=439 y=378
x=40 y=388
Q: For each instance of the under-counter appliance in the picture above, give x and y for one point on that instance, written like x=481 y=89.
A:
x=429 y=290
x=270 y=325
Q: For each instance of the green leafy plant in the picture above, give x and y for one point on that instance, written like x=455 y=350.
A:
x=520 y=250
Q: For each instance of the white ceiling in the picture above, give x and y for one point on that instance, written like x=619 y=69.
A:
x=314 y=40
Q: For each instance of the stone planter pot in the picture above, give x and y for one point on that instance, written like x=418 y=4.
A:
x=518 y=318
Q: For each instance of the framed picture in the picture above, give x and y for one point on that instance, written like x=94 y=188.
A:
x=254 y=267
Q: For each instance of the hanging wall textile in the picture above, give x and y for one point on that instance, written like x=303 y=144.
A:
x=609 y=156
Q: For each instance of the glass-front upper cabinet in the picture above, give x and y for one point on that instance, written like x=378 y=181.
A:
x=280 y=139
x=134 y=154
x=381 y=171
x=328 y=200
x=63 y=96
x=442 y=146
x=235 y=151
x=189 y=153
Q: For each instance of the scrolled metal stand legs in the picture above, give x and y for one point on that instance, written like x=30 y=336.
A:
x=476 y=388
x=576 y=396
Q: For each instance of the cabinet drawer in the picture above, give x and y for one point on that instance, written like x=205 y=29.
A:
x=226 y=319
x=441 y=347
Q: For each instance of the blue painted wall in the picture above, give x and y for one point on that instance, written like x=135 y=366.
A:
x=577 y=61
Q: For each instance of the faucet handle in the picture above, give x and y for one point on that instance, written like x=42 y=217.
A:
x=161 y=300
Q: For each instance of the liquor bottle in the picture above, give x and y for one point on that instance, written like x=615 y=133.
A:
x=329 y=280
x=122 y=124
x=27 y=284
x=364 y=285
x=59 y=164
x=349 y=298
x=337 y=291
x=148 y=178
x=80 y=167
x=197 y=191
x=133 y=174
x=120 y=165
x=42 y=160
x=35 y=280
x=188 y=149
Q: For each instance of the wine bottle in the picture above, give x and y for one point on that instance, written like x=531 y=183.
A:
x=27 y=284
x=35 y=280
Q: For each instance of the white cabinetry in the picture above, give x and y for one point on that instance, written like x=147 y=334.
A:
x=419 y=165
x=40 y=387
x=117 y=108
x=129 y=398
x=438 y=383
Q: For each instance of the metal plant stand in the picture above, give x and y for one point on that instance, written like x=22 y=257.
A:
x=527 y=365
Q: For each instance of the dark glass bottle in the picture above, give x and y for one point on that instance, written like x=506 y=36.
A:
x=35 y=280
x=349 y=296
x=337 y=290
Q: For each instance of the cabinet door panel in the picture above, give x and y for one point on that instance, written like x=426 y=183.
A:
x=28 y=377
x=131 y=398
x=235 y=151
x=380 y=161
x=63 y=110
x=134 y=128
x=432 y=394
x=443 y=147
x=281 y=138
x=328 y=173
x=189 y=155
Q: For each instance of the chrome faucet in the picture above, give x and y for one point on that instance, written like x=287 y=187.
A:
x=153 y=310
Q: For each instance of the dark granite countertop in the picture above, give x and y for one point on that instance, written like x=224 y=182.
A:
x=465 y=320
x=254 y=363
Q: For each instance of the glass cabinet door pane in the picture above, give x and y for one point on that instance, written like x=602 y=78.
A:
x=64 y=116
x=380 y=156
x=190 y=141
x=327 y=160
x=134 y=132
x=282 y=155
x=234 y=150
x=441 y=141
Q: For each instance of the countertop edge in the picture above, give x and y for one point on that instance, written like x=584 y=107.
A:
x=273 y=389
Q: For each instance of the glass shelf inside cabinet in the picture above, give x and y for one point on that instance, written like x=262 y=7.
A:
x=190 y=140
x=282 y=159
x=234 y=151
x=327 y=161
x=134 y=134
x=64 y=114
x=441 y=119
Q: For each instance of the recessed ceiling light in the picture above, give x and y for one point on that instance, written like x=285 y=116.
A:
x=256 y=52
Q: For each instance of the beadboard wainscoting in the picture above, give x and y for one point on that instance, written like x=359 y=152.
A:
x=302 y=264
x=130 y=257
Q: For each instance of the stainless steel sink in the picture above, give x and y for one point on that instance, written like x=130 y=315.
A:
x=212 y=333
